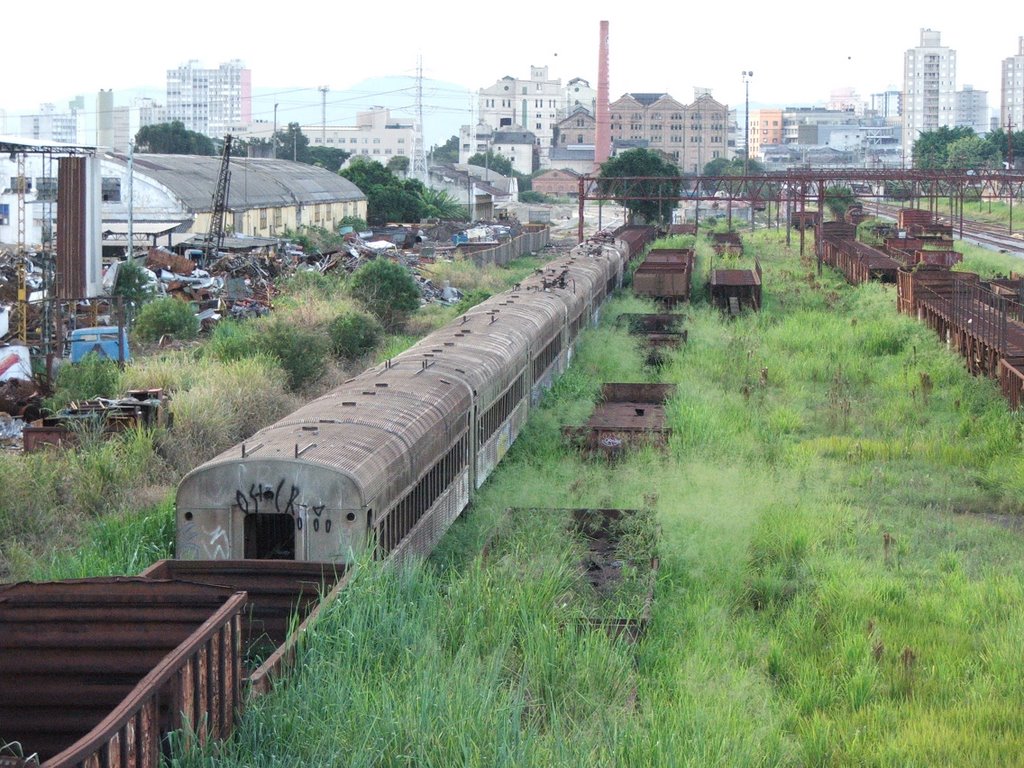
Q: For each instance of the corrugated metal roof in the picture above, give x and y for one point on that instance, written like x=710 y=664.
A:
x=255 y=182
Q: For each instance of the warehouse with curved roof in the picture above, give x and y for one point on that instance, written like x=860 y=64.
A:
x=265 y=197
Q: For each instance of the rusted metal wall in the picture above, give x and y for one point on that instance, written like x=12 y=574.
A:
x=72 y=188
x=531 y=240
x=279 y=591
x=99 y=671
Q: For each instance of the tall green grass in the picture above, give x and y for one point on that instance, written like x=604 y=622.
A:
x=840 y=583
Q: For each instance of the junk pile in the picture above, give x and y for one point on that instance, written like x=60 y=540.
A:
x=137 y=408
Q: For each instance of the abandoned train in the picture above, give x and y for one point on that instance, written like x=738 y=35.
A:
x=391 y=457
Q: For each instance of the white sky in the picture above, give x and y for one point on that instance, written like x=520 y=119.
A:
x=799 y=51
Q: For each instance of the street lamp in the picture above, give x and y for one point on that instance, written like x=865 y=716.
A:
x=747 y=74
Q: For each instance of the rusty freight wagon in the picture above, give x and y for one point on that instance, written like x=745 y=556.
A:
x=733 y=290
x=98 y=672
x=665 y=275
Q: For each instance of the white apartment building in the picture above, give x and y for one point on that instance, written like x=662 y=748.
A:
x=533 y=105
x=376 y=135
x=1011 y=105
x=972 y=109
x=929 y=88
x=50 y=125
x=209 y=101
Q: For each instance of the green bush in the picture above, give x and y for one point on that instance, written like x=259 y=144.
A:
x=93 y=376
x=470 y=299
x=233 y=340
x=166 y=316
x=387 y=290
x=301 y=352
x=354 y=334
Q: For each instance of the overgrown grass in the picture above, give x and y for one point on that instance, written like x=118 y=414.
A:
x=840 y=584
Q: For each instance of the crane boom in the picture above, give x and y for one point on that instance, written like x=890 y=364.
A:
x=215 y=236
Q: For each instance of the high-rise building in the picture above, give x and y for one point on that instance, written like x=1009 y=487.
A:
x=1011 y=105
x=929 y=88
x=210 y=101
x=972 y=109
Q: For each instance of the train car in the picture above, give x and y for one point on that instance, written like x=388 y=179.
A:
x=391 y=457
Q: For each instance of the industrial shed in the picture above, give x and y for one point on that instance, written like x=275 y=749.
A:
x=266 y=196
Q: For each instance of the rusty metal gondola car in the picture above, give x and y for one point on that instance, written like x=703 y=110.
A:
x=391 y=457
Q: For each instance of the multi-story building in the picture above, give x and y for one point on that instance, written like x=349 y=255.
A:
x=50 y=125
x=929 y=88
x=765 y=129
x=887 y=105
x=578 y=127
x=845 y=99
x=579 y=93
x=375 y=135
x=1011 y=104
x=972 y=109
x=209 y=101
x=533 y=105
x=692 y=135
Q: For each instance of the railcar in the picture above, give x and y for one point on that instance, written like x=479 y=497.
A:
x=391 y=457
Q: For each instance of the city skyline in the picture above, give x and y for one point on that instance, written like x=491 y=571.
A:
x=797 y=58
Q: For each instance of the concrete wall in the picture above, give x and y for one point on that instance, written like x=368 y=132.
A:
x=528 y=242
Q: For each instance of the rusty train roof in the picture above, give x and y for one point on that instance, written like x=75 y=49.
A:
x=387 y=425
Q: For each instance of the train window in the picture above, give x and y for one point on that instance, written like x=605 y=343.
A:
x=546 y=357
x=270 y=536
x=410 y=510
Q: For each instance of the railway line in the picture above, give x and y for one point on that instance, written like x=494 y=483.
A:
x=385 y=462
x=991 y=236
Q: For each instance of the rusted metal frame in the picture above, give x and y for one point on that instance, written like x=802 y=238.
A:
x=282 y=660
x=118 y=733
x=1011 y=381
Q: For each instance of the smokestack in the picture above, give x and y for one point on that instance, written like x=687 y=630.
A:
x=602 y=138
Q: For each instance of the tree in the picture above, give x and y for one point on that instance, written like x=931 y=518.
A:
x=971 y=152
x=388 y=198
x=441 y=205
x=132 y=285
x=837 y=200
x=645 y=163
x=447 y=152
x=387 y=290
x=330 y=158
x=1000 y=150
x=931 y=149
x=173 y=139
x=496 y=163
x=292 y=144
x=722 y=167
x=398 y=164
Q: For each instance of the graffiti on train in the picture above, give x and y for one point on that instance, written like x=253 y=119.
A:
x=283 y=499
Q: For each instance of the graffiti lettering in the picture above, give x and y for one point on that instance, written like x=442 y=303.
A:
x=288 y=504
x=293 y=495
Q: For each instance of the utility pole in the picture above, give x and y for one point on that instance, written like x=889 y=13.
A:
x=130 y=250
x=273 y=138
x=323 y=115
x=747 y=74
